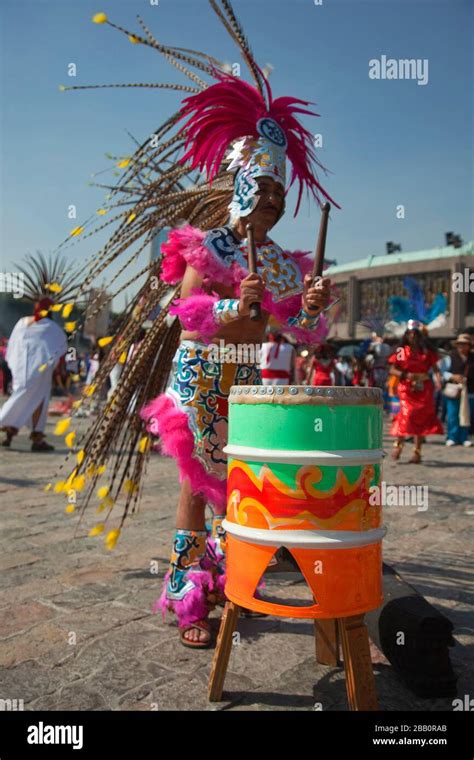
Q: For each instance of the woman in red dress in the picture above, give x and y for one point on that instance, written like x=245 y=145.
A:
x=321 y=368
x=411 y=363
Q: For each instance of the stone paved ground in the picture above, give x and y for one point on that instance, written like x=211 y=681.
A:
x=75 y=623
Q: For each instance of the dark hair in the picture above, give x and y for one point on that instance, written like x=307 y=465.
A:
x=423 y=341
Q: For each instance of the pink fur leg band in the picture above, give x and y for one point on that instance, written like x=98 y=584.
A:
x=177 y=440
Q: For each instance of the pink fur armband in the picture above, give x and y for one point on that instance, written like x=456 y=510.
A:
x=205 y=312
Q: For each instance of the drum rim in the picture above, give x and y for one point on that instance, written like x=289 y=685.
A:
x=305 y=539
x=301 y=394
x=319 y=457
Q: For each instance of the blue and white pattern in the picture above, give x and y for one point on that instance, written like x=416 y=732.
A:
x=200 y=388
x=271 y=131
x=244 y=199
x=226 y=310
x=304 y=320
x=280 y=272
x=189 y=547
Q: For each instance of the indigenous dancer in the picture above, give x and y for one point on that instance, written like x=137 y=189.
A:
x=191 y=417
x=411 y=364
x=34 y=349
x=239 y=138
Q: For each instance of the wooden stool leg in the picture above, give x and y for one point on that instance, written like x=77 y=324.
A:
x=360 y=681
x=223 y=649
x=327 y=642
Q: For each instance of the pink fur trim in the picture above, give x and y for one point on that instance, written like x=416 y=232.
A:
x=194 y=605
x=177 y=440
x=195 y=313
x=184 y=246
x=220 y=586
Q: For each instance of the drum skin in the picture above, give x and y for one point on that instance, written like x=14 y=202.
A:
x=302 y=466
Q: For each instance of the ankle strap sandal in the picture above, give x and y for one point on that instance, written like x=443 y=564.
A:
x=397 y=450
x=191 y=586
x=416 y=456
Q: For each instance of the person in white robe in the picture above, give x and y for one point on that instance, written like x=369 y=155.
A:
x=277 y=363
x=35 y=346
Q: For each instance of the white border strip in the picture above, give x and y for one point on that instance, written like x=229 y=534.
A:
x=284 y=456
x=305 y=539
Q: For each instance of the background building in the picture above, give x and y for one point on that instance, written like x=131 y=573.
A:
x=365 y=286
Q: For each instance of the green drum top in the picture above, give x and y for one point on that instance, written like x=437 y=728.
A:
x=300 y=418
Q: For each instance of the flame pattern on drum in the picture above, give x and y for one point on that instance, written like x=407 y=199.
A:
x=264 y=501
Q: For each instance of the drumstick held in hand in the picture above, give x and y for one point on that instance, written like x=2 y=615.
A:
x=255 y=310
x=321 y=244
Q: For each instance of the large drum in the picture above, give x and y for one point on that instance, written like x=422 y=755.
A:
x=302 y=466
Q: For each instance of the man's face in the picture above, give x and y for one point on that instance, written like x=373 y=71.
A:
x=271 y=199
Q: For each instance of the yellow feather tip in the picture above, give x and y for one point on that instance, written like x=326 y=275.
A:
x=105 y=341
x=67 y=309
x=62 y=426
x=99 y=18
x=112 y=538
x=69 y=439
x=97 y=529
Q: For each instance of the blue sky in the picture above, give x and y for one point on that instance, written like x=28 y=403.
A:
x=386 y=142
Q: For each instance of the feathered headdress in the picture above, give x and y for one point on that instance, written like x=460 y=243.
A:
x=267 y=131
x=413 y=309
x=47 y=278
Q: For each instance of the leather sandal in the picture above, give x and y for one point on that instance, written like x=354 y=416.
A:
x=397 y=451
x=200 y=625
x=416 y=457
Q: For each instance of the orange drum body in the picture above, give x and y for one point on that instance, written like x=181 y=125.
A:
x=304 y=466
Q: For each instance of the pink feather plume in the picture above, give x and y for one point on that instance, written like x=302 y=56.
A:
x=229 y=110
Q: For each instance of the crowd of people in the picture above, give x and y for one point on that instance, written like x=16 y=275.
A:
x=427 y=391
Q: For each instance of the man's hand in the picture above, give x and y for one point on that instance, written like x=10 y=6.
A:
x=252 y=291
x=315 y=297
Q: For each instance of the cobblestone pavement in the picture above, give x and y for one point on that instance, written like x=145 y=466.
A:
x=77 y=630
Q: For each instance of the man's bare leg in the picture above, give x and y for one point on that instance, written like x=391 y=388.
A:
x=416 y=458
x=191 y=509
x=36 y=416
x=37 y=436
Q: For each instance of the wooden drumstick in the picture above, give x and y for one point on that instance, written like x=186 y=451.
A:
x=255 y=310
x=321 y=244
